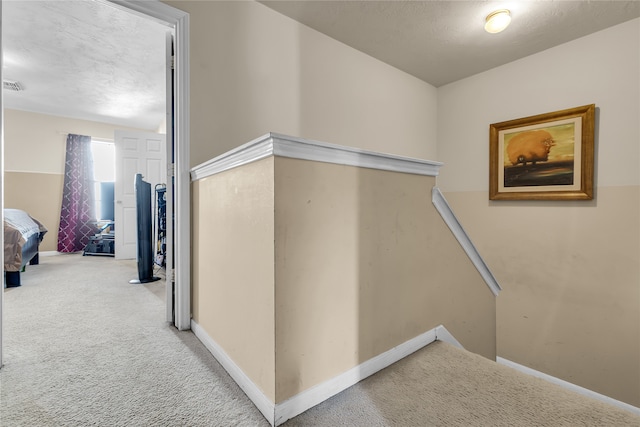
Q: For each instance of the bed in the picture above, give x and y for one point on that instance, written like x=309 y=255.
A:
x=22 y=237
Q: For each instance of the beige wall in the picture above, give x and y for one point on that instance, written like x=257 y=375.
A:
x=34 y=156
x=570 y=270
x=233 y=270
x=364 y=263
x=255 y=71
x=36 y=142
x=40 y=194
x=348 y=262
x=571 y=309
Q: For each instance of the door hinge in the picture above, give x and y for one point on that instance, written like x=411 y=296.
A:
x=172 y=275
x=171 y=169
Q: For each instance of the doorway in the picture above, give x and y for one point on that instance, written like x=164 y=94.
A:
x=178 y=115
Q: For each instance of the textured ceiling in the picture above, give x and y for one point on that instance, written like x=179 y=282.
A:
x=91 y=60
x=444 y=41
x=84 y=59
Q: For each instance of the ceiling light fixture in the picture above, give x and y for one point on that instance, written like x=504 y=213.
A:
x=497 y=21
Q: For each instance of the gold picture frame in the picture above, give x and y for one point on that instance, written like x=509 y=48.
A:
x=544 y=157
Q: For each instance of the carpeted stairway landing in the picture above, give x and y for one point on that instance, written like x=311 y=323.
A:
x=442 y=385
x=83 y=347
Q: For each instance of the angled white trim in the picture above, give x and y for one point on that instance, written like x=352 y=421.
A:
x=273 y=144
x=442 y=206
x=253 y=392
x=569 y=386
x=247 y=153
x=442 y=334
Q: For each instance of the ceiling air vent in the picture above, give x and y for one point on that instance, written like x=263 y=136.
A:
x=14 y=86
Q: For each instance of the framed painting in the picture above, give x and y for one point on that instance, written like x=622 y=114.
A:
x=545 y=157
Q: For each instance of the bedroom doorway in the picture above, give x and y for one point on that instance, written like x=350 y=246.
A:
x=178 y=115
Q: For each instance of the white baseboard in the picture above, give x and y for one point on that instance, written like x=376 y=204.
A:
x=442 y=334
x=277 y=414
x=253 y=392
x=48 y=253
x=570 y=386
x=323 y=391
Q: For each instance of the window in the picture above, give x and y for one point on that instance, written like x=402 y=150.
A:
x=104 y=175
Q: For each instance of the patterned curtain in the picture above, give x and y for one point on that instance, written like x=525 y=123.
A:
x=77 y=216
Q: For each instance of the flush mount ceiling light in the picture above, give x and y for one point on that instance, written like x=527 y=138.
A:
x=497 y=21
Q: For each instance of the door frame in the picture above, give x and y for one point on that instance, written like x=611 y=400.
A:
x=179 y=21
x=1 y=191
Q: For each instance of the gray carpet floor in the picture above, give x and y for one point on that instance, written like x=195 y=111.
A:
x=83 y=347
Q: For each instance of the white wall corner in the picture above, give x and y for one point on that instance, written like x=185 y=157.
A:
x=442 y=206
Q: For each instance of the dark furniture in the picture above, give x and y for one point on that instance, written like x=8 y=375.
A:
x=103 y=242
x=22 y=237
x=144 y=222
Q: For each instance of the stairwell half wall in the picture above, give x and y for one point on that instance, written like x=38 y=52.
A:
x=304 y=269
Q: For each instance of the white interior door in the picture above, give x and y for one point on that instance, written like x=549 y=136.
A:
x=136 y=152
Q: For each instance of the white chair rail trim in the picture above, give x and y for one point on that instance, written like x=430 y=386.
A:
x=273 y=144
x=442 y=206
